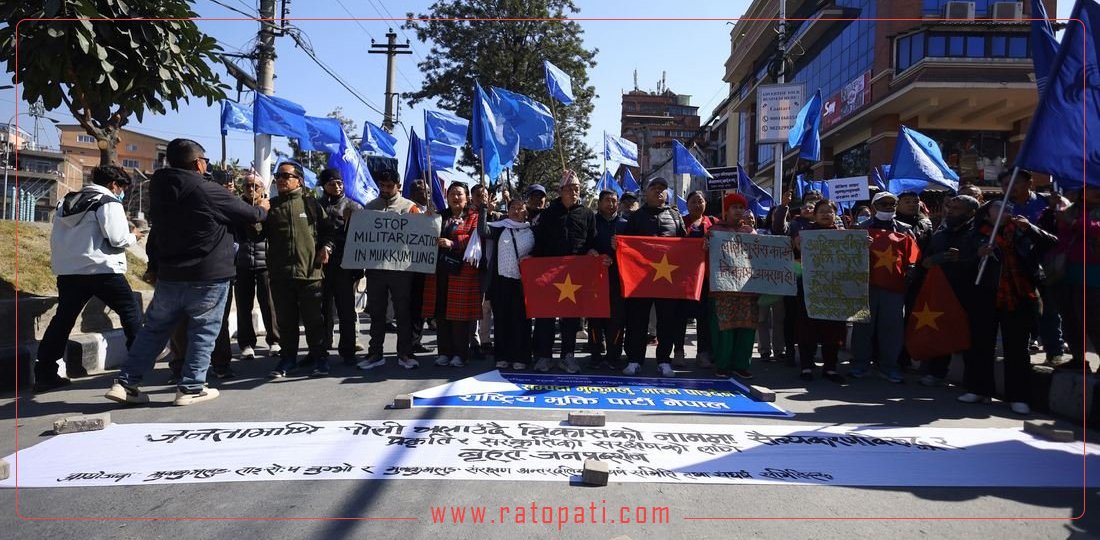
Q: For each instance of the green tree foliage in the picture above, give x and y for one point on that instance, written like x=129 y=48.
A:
x=509 y=54
x=104 y=72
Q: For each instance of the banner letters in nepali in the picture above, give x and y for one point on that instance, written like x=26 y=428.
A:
x=752 y=263
x=835 y=273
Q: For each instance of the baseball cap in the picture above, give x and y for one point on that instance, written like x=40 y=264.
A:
x=533 y=188
x=883 y=195
x=658 y=180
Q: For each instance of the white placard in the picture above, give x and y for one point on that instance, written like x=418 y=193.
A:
x=391 y=241
x=777 y=106
x=849 y=190
x=146 y=454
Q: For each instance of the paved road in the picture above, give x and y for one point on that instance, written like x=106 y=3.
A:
x=352 y=395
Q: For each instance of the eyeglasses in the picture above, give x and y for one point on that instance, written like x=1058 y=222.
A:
x=885 y=204
x=285 y=176
x=205 y=160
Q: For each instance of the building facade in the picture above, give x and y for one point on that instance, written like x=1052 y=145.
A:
x=959 y=72
x=652 y=120
x=137 y=153
x=36 y=176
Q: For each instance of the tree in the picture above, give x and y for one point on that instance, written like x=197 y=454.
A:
x=510 y=54
x=314 y=158
x=104 y=72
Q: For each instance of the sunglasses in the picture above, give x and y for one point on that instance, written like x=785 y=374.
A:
x=205 y=160
x=285 y=176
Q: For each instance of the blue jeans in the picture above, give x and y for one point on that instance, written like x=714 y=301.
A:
x=203 y=304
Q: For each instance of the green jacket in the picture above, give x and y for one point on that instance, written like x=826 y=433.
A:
x=295 y=230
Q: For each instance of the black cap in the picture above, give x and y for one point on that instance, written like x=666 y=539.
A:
x=628 y=195
x=658 y=180
x=533 y=188
x=329 y=175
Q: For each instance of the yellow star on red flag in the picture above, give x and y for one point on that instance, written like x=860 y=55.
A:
x=664 y=269
x=886 y=258
x=927 y=317
x=567 y=289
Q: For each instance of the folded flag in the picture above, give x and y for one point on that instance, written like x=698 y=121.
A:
x=377 y=141
x=235 y=116
x=568 y=287
x=805 y=132
x=891 y=255
x=655 y=267
x=938 y=324
x=685 y=163
x=558 y=84
x=1044 y=48
x=619 y=150
x=277 y=116
x=918 y=162
x=416 y=167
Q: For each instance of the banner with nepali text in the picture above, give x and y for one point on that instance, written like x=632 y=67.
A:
x=835 y=273
x=752 y=263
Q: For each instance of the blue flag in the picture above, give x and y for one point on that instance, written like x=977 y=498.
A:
x=377 y=141
x=877 y=178
x=1044 y=48
x=558 y=83
x=235 y=116
x=325 y=135
x=443 y=156
x=532 y=120
x=685 y=163
x=619 y=150
x=358 y=183
x=416 y=168
x=277 y=116
x=494 y=141
x=1069 y=111
x=681 y=205
x=445 y=127
x=918 y=161
x=760 y=201
x=805 y=133
x=629 y=183
x=310 y=180
x=608 y=182
x=802 y=186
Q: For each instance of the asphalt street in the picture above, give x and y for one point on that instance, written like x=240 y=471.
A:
x=276 y=509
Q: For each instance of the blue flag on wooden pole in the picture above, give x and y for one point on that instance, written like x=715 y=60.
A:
x=558 y=84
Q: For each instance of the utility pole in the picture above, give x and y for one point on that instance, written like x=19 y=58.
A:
x=265 y=77
x=390 y=49
x=777 y=183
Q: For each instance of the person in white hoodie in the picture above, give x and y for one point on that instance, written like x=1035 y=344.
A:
x=88 y=255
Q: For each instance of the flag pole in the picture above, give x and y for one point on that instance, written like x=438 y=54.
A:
x=557 y=133
x=997 y=224
x=482 y=155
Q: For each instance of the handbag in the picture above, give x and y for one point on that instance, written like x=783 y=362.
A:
x=451 y=263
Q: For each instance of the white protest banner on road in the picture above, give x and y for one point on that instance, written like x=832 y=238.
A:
x=146 y=454
x=752 y=263
x=849 y=190
x=390 y=241
x=834 y=274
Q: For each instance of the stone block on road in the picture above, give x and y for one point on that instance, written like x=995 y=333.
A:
x=5 y=469
x=595 y=472
x=761 y=393
x=403 y=401
x=587 y=418
x=1048 y=430
x=84 y=422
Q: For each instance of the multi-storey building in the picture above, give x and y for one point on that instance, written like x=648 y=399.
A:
x=136 y=152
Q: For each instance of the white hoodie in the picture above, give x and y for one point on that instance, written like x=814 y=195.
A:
x=90 y=234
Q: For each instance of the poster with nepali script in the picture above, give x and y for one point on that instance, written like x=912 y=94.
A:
x=834 y=274
x=391 y=241
x=752 y=263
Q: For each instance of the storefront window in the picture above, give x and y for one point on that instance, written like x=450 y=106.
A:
x=977 y=156
x=855 y=161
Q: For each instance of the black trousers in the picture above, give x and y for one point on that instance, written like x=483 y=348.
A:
x=605 y=336
x=544 y=337
x=512 y=340
x=637 y=326
x=1015 y=327
x=338 y=289
x=299 y=299
x=381 y=286
x=254 y=285
x=791 y=307
x=73 y=293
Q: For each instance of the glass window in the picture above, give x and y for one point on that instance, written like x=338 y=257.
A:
x=131 y=163
x=955 y=46
x=997 y=46
x=917 y=48
x=131 y=147
x=1017 y=46
x=975 y=46
x=937 y=46
x=903 y=53
x=85 y=139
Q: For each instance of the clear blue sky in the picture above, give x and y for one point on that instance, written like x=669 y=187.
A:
x=692 y=53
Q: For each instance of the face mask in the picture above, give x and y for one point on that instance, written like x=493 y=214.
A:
x=121 y=196
x=862 y=219
x=884 y=216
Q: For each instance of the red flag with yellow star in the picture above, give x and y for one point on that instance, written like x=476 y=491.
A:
x=891 y=255
x=938 y=325
x=566 y=287
x=653 y=267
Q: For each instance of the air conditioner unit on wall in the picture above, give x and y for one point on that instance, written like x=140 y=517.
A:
x=1007 y=10
x=959 y=11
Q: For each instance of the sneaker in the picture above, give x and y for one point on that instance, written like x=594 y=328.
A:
x=274 y=350
x=742 y=373
x=45 y=385
x=1034 y=346
x=858 y=373
x=569 y=365
x=321 y=369
x=582 y=334
x=1054 y=359
x=372 y=362
x=931 y=380
x=248 y=353
x=408 y=363
x=542 y=365
x=835 y=377
x=1019 y=407
x=631 y=368
x=443 y=361
x=277 y=373
x=666 y=369
x=893 y=376
x=519 y=366
x=226 y=373
x=186 y=398
x=126 y=394
x=502 y=364
x=806 y=375
x=457 y=362
x=971 y=397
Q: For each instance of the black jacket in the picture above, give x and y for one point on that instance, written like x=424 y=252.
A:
x=191 y=222
x=561 y=231
x=655 y=221
x=961 y=272
x=334 y=208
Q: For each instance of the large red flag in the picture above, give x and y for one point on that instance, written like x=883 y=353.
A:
x=565 y=287
x=891 y=253
x=937 y=326
x=654 y=267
